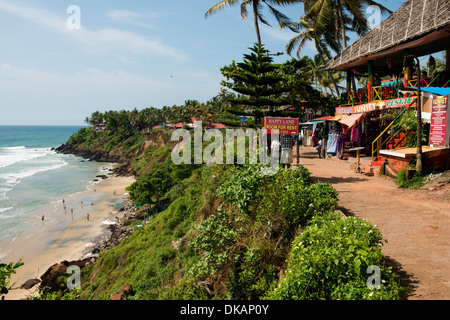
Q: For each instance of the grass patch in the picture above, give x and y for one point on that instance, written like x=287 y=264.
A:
x=414 y=182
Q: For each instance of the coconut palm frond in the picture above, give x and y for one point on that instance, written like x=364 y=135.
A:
x=220 y=6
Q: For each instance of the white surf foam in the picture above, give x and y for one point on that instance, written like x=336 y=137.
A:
x=12 y=155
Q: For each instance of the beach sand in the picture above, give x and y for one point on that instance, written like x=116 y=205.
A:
x=63 y=236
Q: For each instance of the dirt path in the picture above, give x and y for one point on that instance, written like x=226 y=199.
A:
x=416 y=223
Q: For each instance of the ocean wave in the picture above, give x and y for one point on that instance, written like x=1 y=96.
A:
x=17 y=176
x=5 y=209
x=10 y=179
x=13 y=155
x=14 y=148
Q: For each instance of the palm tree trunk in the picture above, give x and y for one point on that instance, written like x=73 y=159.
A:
x=341 y=22
x=329 y=72
x=255 y=15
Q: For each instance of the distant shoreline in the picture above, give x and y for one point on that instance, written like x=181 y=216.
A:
x=48 y=247
x=44 y=125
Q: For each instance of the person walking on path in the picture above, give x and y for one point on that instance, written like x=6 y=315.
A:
x=275 y=145
x=287 y=142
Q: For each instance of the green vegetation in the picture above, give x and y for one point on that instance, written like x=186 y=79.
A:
x=256 y=7
x=6 y=270
x=408 y=122
x=228 y=232
x=256 y=80
x=334 y=258
x=414 y=182
x=122 y=142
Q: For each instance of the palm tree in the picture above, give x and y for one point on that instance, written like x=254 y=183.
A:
x=257 y=6
x=325 y=82
x=313 y=69
x=322 y=40
x=345 y=14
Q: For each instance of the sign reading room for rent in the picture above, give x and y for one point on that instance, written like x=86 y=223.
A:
x=283 y=125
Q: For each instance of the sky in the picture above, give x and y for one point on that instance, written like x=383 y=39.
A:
x=60 y=61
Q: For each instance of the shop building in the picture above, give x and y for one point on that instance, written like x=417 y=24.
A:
x=388 y=59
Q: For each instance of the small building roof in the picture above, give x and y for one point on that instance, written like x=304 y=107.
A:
x=422 y=26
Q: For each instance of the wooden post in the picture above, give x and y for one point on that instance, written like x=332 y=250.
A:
x=408 y=71
x=369 y=80
x=447 y=62
x=349 y=85
x=419 y=122
x=298 y=145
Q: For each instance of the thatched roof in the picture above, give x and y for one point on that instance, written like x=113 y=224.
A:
x=423 y=26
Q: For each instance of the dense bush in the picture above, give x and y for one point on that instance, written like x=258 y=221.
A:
x=160 y=184
x=256 y=220
x=330 y=260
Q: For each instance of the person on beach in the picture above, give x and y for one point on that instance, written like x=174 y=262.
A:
x=42 y=217
x=87 y=216
x=287 y=142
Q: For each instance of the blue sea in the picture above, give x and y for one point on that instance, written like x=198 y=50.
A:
x=33 y=177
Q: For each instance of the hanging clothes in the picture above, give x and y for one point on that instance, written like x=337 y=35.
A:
x=332 y=142
x=340 y=144
x=356 y=132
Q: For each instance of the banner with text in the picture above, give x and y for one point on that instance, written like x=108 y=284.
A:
x=376 y=105
x=439 y=121
x=284 y=125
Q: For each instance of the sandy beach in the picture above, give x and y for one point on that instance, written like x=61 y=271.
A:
x=64 y=234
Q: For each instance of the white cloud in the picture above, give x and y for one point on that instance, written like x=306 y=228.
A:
x=67 y=98
x=135 y=18
x=41 y=17
x=283 y=35
x=104 y=41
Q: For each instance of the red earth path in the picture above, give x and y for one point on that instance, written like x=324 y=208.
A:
x=416 y=223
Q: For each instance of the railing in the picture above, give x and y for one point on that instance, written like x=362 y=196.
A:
x=378 y=140
x=386 y=91
x=378 y=93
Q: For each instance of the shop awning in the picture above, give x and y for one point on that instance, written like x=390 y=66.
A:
x=337 y=117
x=434 y=90
x=351 y=120
x=322 y=118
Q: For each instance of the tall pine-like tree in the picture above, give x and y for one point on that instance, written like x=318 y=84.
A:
x=256 y=81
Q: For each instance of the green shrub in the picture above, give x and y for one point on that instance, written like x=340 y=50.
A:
x=214 y=237
x=330 y=259
x=414 y=182
x=6 y=270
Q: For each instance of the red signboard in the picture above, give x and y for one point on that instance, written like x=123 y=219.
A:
x=283 y=125
x=438 y=126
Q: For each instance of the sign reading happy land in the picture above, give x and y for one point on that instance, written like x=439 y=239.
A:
x=283 y=125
